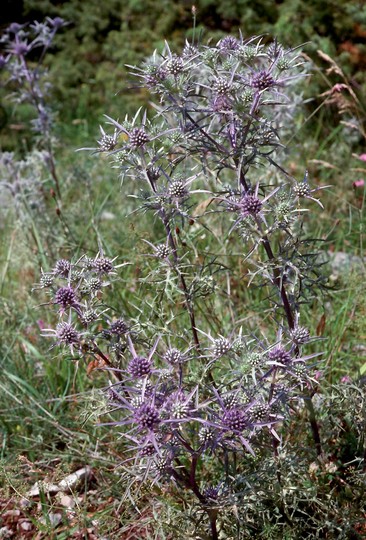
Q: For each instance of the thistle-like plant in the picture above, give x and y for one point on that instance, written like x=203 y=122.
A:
x=194 y=385
x=24 y=49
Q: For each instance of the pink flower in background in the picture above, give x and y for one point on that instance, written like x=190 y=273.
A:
x=359 y=183
x=362 y=157
x=41 y=324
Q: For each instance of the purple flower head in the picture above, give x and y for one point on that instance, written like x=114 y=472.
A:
x=62 y=268
x=212 y=494
x=138 y=137
x=66 y=297
x=250 y=205
x=103 y=265
x=19 y=48
x=147 y=450
x=300 y=335
x=279 y=355
x=56 y=23
x=140 y=366
x=147 y=417
x=119 y=327
x=67 y=334
x=228 y=44
x=235 y=419
x=262 y=80
x=14 y=28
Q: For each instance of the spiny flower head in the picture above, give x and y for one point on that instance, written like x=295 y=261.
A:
x=138 y=137
x=19 y=47
x=140 y=366
x=92 y=285
x=221 y=346
x=66 y=297
x=228 y=44
x=175 y=65
x=179 y=409
x=300 y=335
x=118 y=327
x=174 y=356
x=254 y=359
x=66 y=333
x=279 y=355
x=89 y=316
x=235 y=419
x=107 y=143
x=231 y=401
x=222 y=86
x=147 y=417
x=103 y=265
x=302 y=189
x=211 y=493
x=259 y=412
x=177 y=189
x=250 y=204
x=162 y=251
x=62 y=268
x=262 y=80
x=206 y=435
x=46 y=280
x=148 y=450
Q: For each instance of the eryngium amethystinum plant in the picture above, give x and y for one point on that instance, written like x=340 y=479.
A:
x=24 y=48
x=195 y=385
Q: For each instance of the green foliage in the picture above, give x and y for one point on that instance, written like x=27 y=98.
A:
x=89 y=63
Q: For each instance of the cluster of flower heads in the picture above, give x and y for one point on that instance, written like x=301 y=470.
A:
x=75 y=291
x=226 y=104
x=174 y=403
x=225 y=84
x=166 y=416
